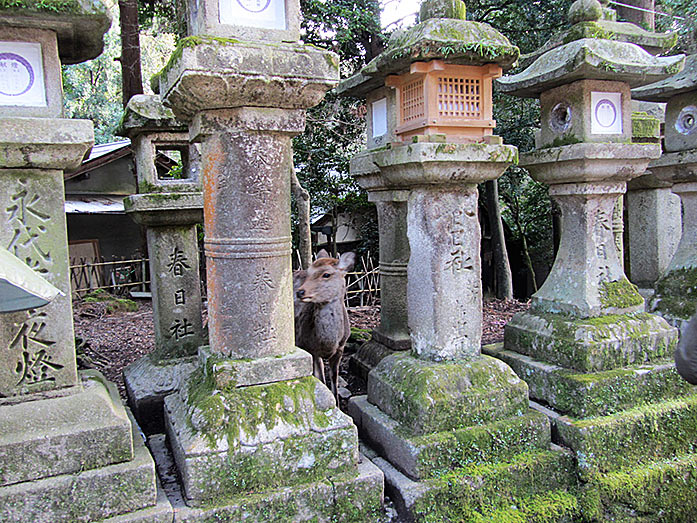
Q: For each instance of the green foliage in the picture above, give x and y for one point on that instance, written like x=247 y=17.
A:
x=686 y=29
x=55 y=6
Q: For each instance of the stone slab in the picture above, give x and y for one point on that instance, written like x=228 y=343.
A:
x=595 y=344
x=90 y=495
x=349 y=498
x=663 y=91
x=65 y=435
x=583 y=395
x=475 y=493
x=44 y=143
x=147 y=383
x=434 y=454
x=162 y=512
x=426 y=397
x=226 y=442
x=259 y=371
x=367 y=357
x=164 y=209
x=145 y=113
x=630 y=438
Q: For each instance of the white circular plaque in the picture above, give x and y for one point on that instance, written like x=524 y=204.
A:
x=606 y=113
x=16 y=74
x=254 y=6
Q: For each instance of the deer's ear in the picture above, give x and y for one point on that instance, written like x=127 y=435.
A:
x=346 y=261
x=322 y=254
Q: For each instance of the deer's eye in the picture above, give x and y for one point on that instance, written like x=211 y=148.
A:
x=327 y=275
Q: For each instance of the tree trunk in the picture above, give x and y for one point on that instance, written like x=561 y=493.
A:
x=504 y=277
x=526 y=252
x=556 y=226
x=302 y=199
x=131 y=76
x=642 y=18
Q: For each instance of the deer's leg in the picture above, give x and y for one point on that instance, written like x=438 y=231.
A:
x=334 y=364
x=318 y=368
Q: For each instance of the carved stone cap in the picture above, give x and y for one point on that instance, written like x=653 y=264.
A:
x=79 y=24
x=455 y=9
x=165 y=209
x=453 y=41
x=590 y=59
x=146 y=113
x=683 y=82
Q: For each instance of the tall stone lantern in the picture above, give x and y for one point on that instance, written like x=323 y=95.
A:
x=67 y=450
x=441 y=407
x=601 y=365
x=252 y=418
x=170 y=205
x=676 y=290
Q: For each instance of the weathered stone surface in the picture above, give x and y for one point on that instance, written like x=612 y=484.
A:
x=514 y=490
x=633 y=437
x=683 y=82
x=590 y=59
x=654 y=219
x=204 y=18
x=586 y=394
x=168 y=209
x=145 y=113
x=676 y=167
x=595 y=344
x=65 y=435
x=160 y=513
x=242 y=373
x=39 y=345
x=349 y=498
x=79 y=24
x=435 y=454
x=681 y=122
x=148 y=382
x=367 y=357
x=227 y=442
x=206 y=74
x=44 y=143
x=427 y=397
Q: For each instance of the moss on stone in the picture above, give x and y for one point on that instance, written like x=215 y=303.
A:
x=621 y=294
x=645 y=126
x=360 y=335
x=676 y=293
x=561 y=141
x=113 y=303
x=587 y=30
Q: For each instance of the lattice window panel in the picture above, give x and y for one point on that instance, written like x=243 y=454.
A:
x=459 y=97
x=413 y=102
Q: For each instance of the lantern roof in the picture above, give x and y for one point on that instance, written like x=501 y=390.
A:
x=596 y=58
x=590 y=19
x=145 y=113
x=79 y=24
x=683 y=82
x=442 y=34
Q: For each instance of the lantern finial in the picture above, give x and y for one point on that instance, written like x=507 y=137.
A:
x=442 y=9
x=585 y=11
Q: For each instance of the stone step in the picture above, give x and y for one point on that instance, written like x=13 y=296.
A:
x=660 y=491
x=426 y=456
x=629 y=438
x=63 y=435
x=91 y=495
x=587 y=394
x=528 y=484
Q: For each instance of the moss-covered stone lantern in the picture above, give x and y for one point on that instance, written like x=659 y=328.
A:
x=588 y=351
x=676 y=290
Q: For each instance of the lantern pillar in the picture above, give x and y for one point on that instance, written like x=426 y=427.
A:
x=587 y=350
x=69 y=450
x=425 y=405
x=676 y=290
x=251 y=418
x=169 y=208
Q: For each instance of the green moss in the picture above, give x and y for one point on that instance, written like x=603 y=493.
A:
x=587 y=30
x=621 y=294
x=645 y=126
x=46 y=6
x=188 y=43
x=561 y=141
x=360 y=335
x=113 y=303
x=676 y=293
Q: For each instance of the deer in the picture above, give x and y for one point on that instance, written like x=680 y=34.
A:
x=321 y=321
x=686 y=353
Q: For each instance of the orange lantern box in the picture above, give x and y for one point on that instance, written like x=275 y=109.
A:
x=448 y=99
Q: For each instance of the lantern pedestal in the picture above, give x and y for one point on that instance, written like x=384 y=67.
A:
x=437 y=412
x=251 y=418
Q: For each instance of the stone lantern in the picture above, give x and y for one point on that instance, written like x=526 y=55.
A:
x=69 y=449
x=252 y=417
x=170 y=208
x=441 y=406
x=586 y=348
x=676 y=290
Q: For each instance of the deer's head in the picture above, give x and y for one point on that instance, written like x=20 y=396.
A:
x=325 y=278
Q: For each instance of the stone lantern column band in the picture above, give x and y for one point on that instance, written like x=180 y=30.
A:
x=247 y=248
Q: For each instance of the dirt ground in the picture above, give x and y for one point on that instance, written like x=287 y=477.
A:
x=110 y=341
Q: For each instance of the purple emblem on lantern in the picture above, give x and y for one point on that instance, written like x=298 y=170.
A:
x=605 y=113
x=16 y=75
x=254 y=6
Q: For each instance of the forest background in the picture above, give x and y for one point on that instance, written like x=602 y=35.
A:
x=145 y=32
